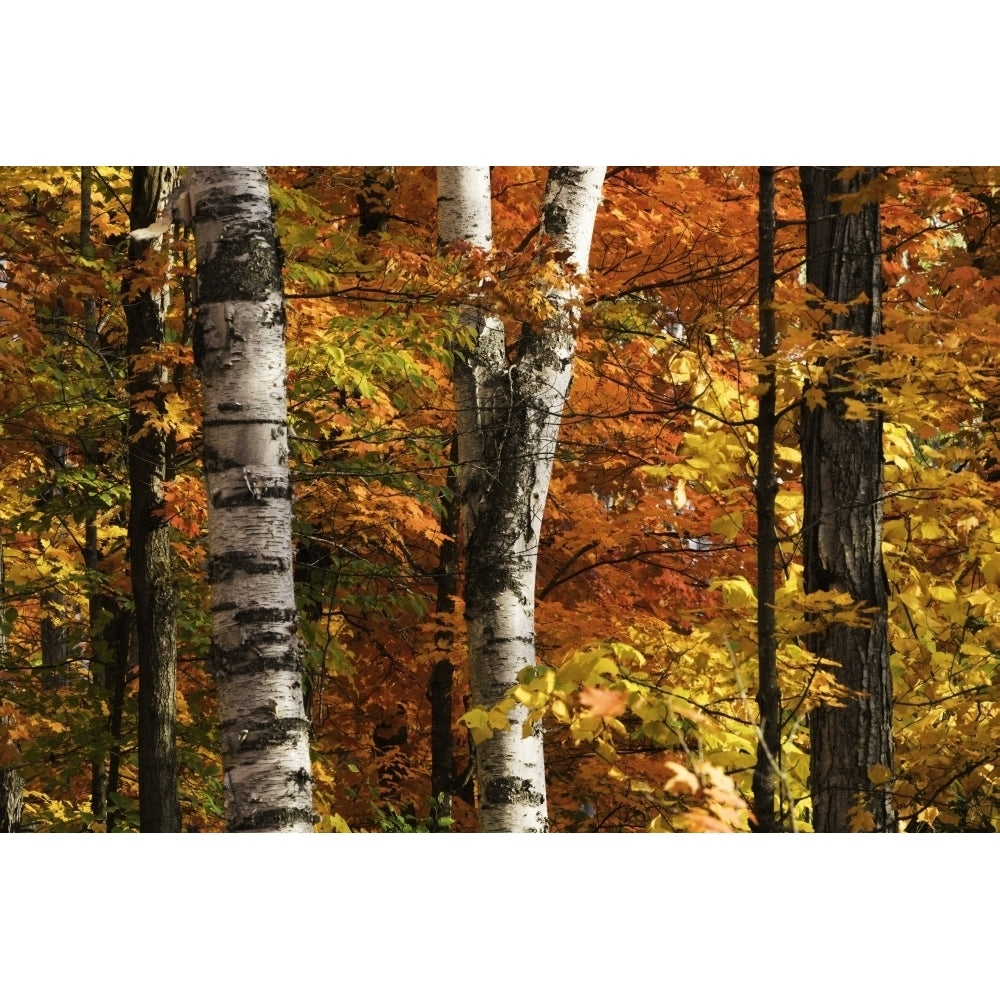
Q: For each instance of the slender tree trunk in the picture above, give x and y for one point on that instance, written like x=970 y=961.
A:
x=11 y=777
x=508 y=421
x=240 y=351
x=441 y=687
x=98 y=618
x=123 y=627
x=150 y=555
x=767 y=770
x=842 y=540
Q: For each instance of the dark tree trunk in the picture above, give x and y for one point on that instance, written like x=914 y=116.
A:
x=439 y=691
x=97 y=619
x=374 y=200
x=11 y=778
x=842 y=539
x=149 y=541
x=767 y=770
x=117 y=680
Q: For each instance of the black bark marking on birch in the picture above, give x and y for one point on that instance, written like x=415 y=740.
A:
x=244 y=498
x=265 y=615
x=247 y=422
x=211 y=350
x=244 y=268
x=227 y=564
x=250 y=659
x=272 y=819
x=507 y=790
x=506 y=486
x=514 y=639
x=261 y=730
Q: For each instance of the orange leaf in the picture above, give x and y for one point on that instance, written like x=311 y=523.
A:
x=603 y=703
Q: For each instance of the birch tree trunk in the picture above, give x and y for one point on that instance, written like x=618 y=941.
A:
x=508 y=421
x=240 y=352
x=149 y=535
x=842 y=539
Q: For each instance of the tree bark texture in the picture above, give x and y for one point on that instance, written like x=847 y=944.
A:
x=374 y=201
x=766 y=774
x=101 y=637
x=11 y=776
x=11 y=796
x=508 y=422
x=842 y=484
x=240 y=352
x=149 y=535
x=440 y=690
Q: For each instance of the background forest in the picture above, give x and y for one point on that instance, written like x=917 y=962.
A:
x=685 y=590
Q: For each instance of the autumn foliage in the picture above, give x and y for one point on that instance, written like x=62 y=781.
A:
x=647 y=589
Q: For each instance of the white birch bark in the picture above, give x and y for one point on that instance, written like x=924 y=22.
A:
x=240 y=352
x=508 y=422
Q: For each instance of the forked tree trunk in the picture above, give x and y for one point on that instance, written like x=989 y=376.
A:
x=508 y=421
x=842 y=540
x=240 y=352
x=149 y=534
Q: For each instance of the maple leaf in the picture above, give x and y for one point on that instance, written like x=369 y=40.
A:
x=682 y=781
x=602 y=702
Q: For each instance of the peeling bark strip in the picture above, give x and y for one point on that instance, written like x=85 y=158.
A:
x=508 y=422
x=842 y=539
x=240 y=351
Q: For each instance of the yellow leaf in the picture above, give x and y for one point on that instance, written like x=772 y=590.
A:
x=861 y=821
x=737 y=593
x=728 y=526
x=879 y=774
x=585 y=728
x=333 y=824
x=657 y=473
x=559 y=710
x=815 y=397
x=529 y=698
x=857 y=410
